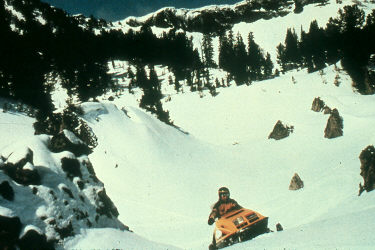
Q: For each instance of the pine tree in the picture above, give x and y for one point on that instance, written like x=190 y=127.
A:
x=281 y=60
x=208 y=51
x=317 y=39
x=226 y=53
x=255 y=58
x=292 y=52
x=240 y=63
x=268 y=66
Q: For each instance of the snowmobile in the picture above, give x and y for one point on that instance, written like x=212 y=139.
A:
x=237 y=226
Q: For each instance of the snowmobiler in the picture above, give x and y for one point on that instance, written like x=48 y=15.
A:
x=224 y=205
x=234 y=224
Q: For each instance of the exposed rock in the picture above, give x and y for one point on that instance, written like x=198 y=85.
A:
x=279 y=227
x=280 y=131
x=71 y=167
x=23 y=175
x=6 y=191
x=105 y=205
x=367 y=159
x=317 y=105
x=65 y=231
x=33 y=239
x=218 y=19
x=10 y=228
x=66 y=190
x=334 y=126
x=20 y=157
x=327 y=110
x=67 y=141
x=91 y=170
x=19 y=167
x=296 y=183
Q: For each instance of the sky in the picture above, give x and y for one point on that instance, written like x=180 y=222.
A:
x=113 y=10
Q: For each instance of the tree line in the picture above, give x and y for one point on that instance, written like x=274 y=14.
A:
x=348 y=37
x=46 y=43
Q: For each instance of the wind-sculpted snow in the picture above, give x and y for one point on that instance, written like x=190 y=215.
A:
x=163 y=181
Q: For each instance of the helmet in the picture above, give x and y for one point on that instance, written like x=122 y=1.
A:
x=223 y=190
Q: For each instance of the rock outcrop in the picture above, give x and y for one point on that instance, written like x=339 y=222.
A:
x=280 y=131
x=67 y=141
x=334 y=126
x=53 y=201
x=367 y=159
x=296 y=183
x=218 y=19
x=317 y=105
x=19 y=166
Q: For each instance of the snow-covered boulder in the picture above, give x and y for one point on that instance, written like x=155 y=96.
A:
x=67 y=141
x=280 y=131
x=19 y=166
x=334 y=126
x=19 y=156
x=367 y=159
x=33 y=238
x=65 y=197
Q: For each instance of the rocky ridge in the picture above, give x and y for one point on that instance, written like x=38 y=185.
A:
x=48 y=193
x=217 y=19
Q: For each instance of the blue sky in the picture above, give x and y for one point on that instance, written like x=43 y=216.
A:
x=113 y=10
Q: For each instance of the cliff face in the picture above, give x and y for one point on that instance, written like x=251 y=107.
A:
x=217 y=19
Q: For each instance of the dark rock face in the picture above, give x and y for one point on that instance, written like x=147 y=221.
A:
x=21 y=169
x=10 y=229
x=367 y=159
x=105 y=205
x=317 y=105
x=71 y=167
x=33 y=240
x=296 y=183
x=279 y=227
x=6 y=191
x=280 y=131
x=334 y=126
x=21 y=175
x=65 y=231
x=61 y=142
x=327 y=110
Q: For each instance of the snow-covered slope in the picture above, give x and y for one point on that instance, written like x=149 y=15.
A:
x=163 y=181
x=48 y=197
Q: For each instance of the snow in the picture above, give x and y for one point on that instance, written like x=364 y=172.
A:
x=72 y=137
x=118 y=239
x=14 y=12
x=163 y=181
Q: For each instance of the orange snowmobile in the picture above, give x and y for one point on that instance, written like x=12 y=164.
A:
x=237 y=226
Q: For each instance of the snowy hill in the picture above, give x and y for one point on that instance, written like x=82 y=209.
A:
x=176 y=175
x=218 y=18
